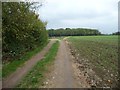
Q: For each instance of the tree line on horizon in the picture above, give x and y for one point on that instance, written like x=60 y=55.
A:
x=116 y=33
x=73 y=32
x=22 y=30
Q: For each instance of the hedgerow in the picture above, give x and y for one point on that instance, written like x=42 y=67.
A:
x=22 y=30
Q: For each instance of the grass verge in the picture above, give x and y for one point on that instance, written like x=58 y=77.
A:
x=36 y=76
x=10 y=67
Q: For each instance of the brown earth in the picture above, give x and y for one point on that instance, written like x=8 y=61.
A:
x=65 y=73
x=12 y=80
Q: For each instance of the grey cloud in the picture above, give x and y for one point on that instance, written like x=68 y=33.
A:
x=99 y=14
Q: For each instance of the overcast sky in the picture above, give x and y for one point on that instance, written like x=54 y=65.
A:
x=98 y=14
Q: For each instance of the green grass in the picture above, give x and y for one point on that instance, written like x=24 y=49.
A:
x=101 y=51
x=36 y=76
x=10 y=67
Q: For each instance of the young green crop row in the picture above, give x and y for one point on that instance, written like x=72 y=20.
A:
x=101 y=52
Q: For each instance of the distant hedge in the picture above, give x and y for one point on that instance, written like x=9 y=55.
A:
x=116 y=33
x=73 y=32
x=22 y=30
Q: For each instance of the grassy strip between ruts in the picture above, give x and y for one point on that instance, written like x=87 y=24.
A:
x=36 y=76
x=12 y=66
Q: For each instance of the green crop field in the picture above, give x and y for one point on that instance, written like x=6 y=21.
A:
x=101 y=52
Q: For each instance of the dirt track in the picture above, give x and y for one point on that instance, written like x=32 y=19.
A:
x=65 y=73
x=12 y=80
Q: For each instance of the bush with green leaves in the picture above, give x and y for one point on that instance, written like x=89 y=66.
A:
x=22 y=30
